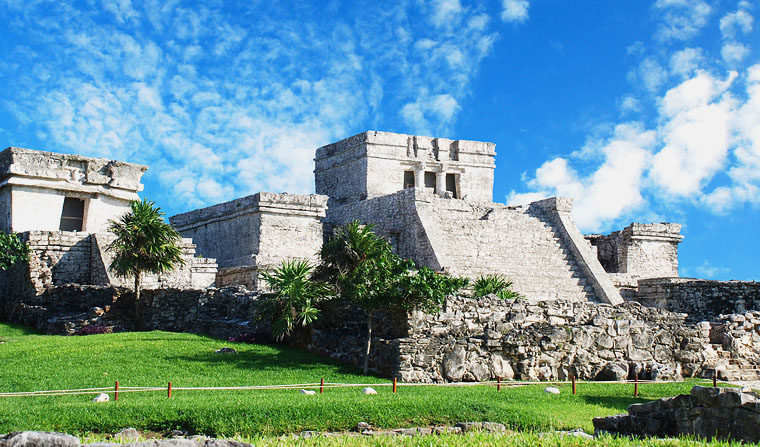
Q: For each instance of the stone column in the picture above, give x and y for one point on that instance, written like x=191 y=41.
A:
x=419 y=176
x=440 y=182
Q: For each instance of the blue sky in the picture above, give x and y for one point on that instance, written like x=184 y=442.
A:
x=639 y=110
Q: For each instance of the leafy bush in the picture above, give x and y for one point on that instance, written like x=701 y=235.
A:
x=495 y=284
x=292 y=300
x=12 y=250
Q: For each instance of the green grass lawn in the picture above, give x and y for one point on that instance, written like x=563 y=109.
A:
x=30 y=362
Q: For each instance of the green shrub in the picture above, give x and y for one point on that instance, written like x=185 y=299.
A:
x=495 y=284
x=12 y=250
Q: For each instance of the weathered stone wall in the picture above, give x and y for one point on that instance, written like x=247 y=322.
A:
x=470 y=340
x=58 y=257
x=65 y=309
x=708 y=413
x=37 y=183
x=61 y=257
x=196 y=272
x=394 y=217
x=255 y=233
x=479 y=339
x=700 y=299
x=5 y=210
x=372 y=164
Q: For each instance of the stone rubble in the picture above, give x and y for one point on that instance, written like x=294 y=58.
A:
x=708 y=413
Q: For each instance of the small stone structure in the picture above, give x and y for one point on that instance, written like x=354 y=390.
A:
x=255 y=233
x=61 y=206
x=708 y=413
x=373 y=164
x=58 y=192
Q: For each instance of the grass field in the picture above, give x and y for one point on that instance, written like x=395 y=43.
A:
x=30 y=362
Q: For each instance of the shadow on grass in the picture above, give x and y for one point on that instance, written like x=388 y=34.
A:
x=8 y=330
x=282 y=358
x=613 y=402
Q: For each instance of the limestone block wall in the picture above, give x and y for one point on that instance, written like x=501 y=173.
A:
x=373 y=164
x=255 y=233
x=58 y=257
x=394 y=217
x=700 y=299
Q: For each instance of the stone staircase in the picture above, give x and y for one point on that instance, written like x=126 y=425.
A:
x=525 y=247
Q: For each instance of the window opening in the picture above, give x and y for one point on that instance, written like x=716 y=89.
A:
x=430 y=180
x=72 y=216
x=408 y=179
x=451 y=184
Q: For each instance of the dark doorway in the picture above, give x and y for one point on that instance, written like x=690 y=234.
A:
x=72 y=217
x=408 y=179
x=430 y=180
x=451 y=184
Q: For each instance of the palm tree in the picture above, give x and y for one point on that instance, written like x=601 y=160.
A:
x=293 y=297
x=144 y=243
x=363 y=266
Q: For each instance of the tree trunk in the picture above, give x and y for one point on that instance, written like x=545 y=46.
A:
x=138 y=302
x=369 y=342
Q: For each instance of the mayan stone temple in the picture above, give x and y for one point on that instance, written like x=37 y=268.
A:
x=591 y=306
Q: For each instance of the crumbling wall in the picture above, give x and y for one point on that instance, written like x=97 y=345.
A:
x=707 y=413
x=700 y=299
x=480 y=339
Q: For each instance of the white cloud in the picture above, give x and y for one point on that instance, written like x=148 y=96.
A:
x=515 y=10
x=211 y=126
x=685 y=62
x=681 y=19
x=446 y=12
x=696 y=135
x=629 y=104
x=419 y=114
x=650 y=73
x=614 y=189
x=707 y=270
x=739 y=21
x=734 y=52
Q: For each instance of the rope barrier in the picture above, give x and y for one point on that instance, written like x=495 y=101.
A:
x=323 y=385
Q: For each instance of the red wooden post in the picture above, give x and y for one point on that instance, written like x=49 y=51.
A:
x=169 y=391
x=715 y=379
x=116 y=391
x=395 y=381
x=498 y=383
x=572 y=378
x=322 y=386
x=636 y=385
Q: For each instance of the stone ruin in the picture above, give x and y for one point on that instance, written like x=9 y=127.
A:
x=580 y=311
